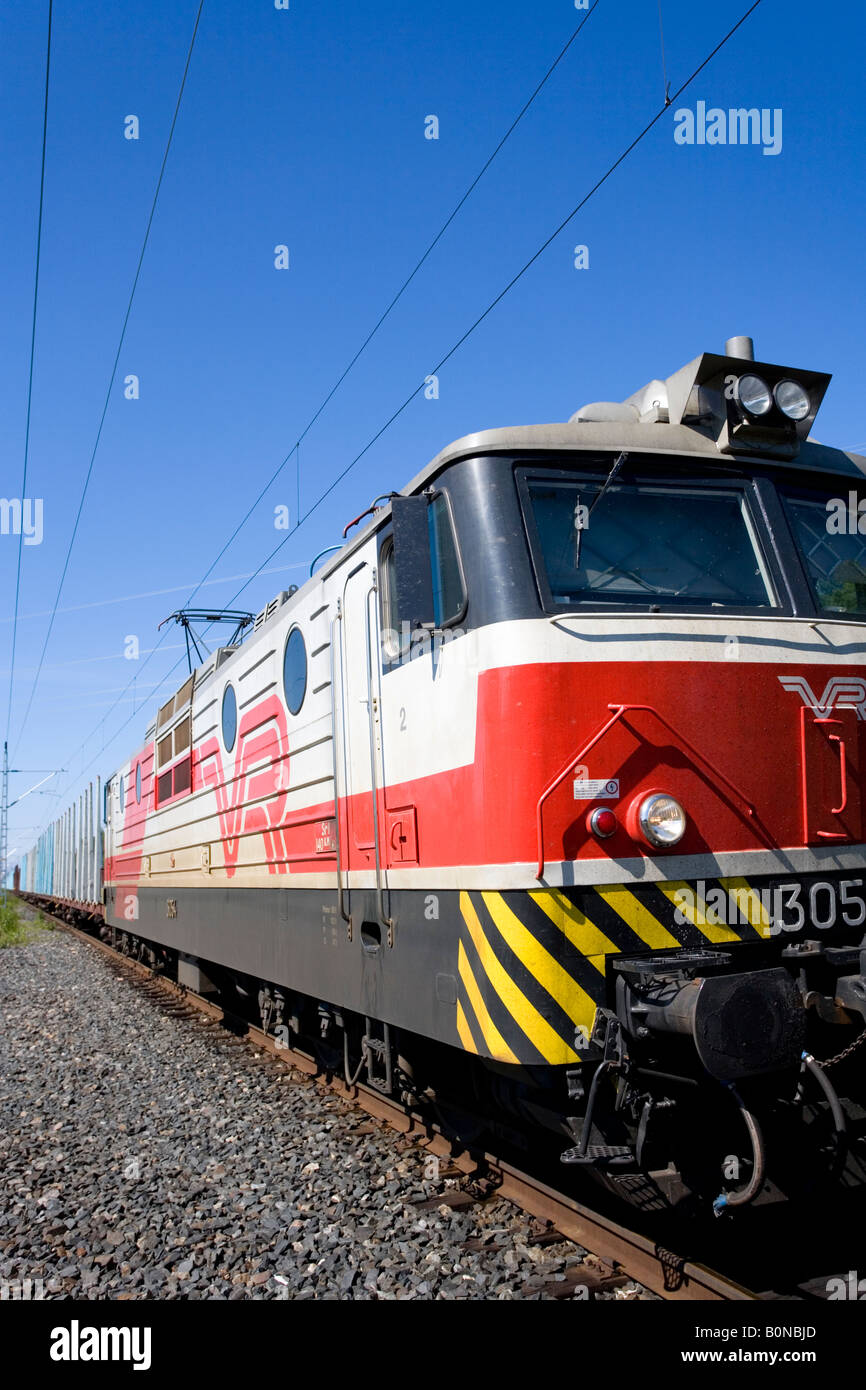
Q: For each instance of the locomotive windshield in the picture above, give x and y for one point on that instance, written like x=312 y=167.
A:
x=646 y=541
x=831 y=534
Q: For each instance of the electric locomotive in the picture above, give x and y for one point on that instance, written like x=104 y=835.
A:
x=541 y=801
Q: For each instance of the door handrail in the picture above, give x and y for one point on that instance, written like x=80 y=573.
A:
x=618 y=712
x=340 y=617
x=386 y=922
x=337 y=618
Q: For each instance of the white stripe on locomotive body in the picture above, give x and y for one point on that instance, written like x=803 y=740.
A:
x=565 y=874
x=664 y=637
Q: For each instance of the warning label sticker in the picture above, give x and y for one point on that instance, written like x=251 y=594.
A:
x=587 y=789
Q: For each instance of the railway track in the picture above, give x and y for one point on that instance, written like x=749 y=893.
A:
x=628 y=1254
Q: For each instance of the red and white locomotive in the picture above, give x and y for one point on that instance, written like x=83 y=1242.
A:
x=544 y=794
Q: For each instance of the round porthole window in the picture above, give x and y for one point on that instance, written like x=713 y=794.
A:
x=122 y=790
x=295 y=670
x=138 y=784
x=229 y=717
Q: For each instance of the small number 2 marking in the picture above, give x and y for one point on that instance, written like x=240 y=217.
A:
x=402 y=720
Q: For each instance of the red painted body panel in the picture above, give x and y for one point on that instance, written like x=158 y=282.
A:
x=531 y=720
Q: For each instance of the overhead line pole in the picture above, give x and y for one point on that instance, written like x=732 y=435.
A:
x=4 y=818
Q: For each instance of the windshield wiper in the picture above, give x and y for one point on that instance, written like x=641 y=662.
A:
x=582 y=522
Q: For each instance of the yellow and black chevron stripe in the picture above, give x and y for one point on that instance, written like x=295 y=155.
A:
x=531 y=966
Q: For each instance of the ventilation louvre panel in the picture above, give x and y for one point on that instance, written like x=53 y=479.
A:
x=270 y=610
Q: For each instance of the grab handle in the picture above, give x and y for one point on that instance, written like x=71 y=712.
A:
x=843 y=772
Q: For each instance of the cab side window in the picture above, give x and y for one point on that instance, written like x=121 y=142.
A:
x=449 y=595
x=390 y=616
x=449 y=592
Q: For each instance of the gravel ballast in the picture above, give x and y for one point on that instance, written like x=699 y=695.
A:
x=147 y=1153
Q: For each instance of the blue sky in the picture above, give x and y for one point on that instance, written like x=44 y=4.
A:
x=306 y=128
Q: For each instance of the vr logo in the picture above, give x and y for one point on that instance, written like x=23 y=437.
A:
x=842 y=692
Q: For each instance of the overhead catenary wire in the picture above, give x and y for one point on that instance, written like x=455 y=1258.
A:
x=447 y=223
x=32 y=359
x=296 y=448
x=113 y=372
x=134 y=714
x=148 y=593
x=323 y=496
x=503 y=292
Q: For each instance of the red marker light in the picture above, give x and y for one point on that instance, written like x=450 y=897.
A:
x=602 y=822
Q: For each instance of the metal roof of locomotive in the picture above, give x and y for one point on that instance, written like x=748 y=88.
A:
x=656 y=438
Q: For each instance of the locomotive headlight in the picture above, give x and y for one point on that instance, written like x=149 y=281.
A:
x=662 y=820
x=754 y=395
x=792 y=399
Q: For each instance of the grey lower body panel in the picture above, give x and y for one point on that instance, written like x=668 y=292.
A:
x=296 y=938
x=513 y=975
